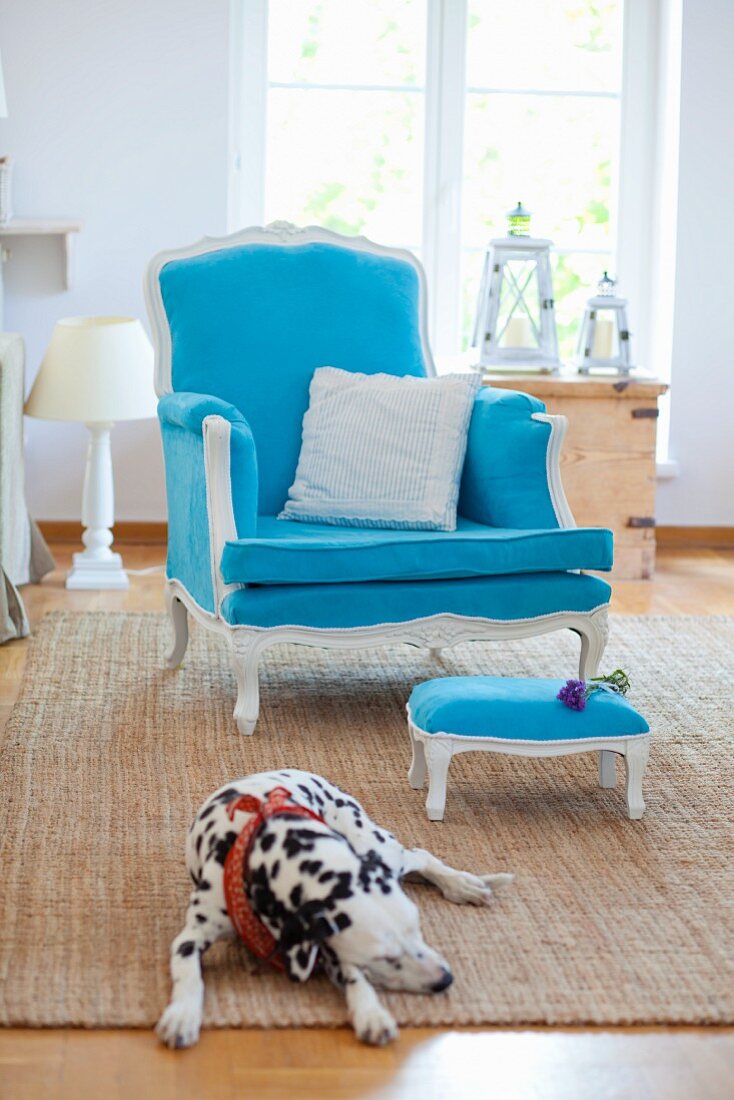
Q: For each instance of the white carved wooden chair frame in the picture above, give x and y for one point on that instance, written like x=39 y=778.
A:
x=247 y=644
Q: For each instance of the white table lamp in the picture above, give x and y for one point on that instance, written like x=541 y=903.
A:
x=97 y=370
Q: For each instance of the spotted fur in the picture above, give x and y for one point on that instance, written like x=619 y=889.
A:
x=329 y=892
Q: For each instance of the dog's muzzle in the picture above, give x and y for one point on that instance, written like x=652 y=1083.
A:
x=443 y=982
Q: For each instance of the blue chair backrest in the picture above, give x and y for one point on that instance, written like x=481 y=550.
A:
x=251 y=323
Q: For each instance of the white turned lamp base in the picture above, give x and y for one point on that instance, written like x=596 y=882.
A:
x=96 y=370
x=88 y=572
x=97 y=566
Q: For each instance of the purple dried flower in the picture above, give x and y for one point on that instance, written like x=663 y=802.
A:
x=573 y=694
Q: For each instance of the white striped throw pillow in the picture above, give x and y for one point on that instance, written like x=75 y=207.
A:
x=382 y=451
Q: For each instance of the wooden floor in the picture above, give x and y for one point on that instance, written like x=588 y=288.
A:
x=538 y=1064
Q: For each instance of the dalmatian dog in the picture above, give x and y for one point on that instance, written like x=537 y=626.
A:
x=327 y=888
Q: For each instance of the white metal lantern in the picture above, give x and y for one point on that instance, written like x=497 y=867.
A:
x=604 y=338
x=515 y=322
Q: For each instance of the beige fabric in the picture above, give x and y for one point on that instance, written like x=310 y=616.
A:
x=13 y=619
x=24 y=555
x=609 y=921
x=41 y=560
x=15 y=532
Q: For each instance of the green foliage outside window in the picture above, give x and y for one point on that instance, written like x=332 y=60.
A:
x=360 y=149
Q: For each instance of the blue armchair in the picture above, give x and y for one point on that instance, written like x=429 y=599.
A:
x=240 y=325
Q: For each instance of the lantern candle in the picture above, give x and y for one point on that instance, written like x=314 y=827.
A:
x=519 y=333
x=603 y=338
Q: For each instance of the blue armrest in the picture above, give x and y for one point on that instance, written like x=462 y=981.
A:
x=505 y=479
x=181 y=417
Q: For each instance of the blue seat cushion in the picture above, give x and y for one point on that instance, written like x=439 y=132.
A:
x=288 y=552
x=344 y=606
x=518 y=709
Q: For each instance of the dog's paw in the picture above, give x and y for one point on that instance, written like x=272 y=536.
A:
x=502 y=878
x=468 y=889
x=180 y=1024
x=463 y=888
x=375 y=1026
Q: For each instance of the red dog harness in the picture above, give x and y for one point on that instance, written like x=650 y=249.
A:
x=248 y=925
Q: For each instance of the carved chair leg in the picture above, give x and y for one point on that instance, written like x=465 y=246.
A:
x=635 y=759
x=417 y=773
x=180 y=621
x=594 y=634
x=245 y=661
x=607 y=769
x=438 y=758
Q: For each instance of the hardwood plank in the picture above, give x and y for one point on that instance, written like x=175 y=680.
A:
x=693 y=582
x=645 y=1064
x=532 y=1064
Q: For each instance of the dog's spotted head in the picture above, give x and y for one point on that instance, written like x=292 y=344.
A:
x=385 y=941
x=314 y=892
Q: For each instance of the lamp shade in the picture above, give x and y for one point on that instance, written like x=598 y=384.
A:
x=96 y=369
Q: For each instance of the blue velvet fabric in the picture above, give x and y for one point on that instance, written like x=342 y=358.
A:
x=504 y=483
x=351 y=605
x=251 y=324
x=181 y=416
x=518 y=709
x=288 y=552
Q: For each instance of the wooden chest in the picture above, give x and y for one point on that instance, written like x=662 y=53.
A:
x=608 y=457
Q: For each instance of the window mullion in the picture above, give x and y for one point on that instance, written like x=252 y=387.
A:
x=248 y=112
x=443 y=168
x=635 y=175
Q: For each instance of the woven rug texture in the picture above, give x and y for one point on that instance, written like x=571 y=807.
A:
x=107 y=756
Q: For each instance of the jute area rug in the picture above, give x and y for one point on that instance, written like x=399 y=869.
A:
x=107 y=756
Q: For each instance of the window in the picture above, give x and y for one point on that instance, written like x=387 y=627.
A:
x=345 y=116
x=542 y=126
x=419 y=123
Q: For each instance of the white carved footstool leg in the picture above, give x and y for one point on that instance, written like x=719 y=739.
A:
x=607 y=769
x=180 y=622
x=417 y=773
x=635 y=759
x=438 y=758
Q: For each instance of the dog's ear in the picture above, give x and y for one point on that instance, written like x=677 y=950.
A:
x=302 y=934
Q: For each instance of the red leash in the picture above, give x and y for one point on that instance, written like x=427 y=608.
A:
x=248 y=925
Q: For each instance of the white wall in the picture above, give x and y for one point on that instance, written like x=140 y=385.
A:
x=118 y=117
x=702 y=396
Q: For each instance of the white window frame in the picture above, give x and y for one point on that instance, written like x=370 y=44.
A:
x=443 y=169
x=443 y=164
x=248 y=112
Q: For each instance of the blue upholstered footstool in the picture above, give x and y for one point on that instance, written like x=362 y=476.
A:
x=522 y=717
